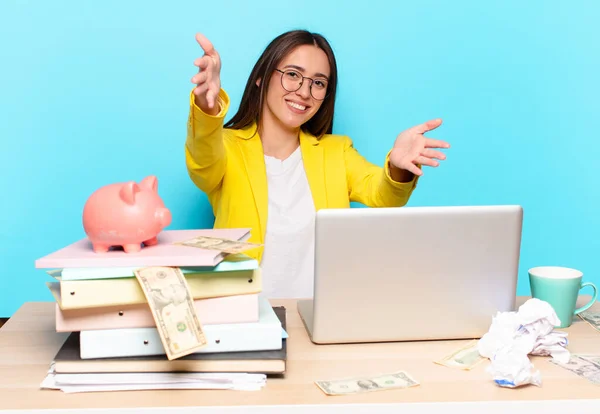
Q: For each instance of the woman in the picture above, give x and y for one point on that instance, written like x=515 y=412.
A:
x=276 y=161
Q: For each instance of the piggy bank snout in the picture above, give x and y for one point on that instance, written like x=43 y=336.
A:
x=163 y=215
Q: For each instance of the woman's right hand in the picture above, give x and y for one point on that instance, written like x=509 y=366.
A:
x=208 y=78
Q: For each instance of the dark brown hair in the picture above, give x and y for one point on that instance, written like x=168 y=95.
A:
x=253 y=98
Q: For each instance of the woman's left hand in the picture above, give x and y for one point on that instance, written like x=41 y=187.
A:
x=412 y=147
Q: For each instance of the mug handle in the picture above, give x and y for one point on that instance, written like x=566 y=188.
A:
x=591 y=302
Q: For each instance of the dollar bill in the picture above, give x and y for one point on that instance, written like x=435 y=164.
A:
x=592 y=318
x=463 y=358
x=367 y=384
x=584 y=366
x=220 y=244
x=172 y=306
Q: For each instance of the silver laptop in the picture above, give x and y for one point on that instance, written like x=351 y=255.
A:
x=412 y=273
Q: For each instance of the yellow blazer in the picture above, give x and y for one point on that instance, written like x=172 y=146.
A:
x=229 y=166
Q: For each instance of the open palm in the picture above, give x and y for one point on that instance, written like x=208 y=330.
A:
x=412 y=148
x=208 y=79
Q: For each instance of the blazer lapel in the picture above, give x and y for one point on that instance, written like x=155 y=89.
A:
x=256 y=172
x=254 y=162
x=312 y=155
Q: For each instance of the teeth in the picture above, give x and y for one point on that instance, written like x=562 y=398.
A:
x=297 y=106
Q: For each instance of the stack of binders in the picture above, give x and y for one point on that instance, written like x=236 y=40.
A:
x=102 y=306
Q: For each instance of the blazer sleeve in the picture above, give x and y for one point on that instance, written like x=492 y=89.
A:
x=205 y=154
x=372 y=185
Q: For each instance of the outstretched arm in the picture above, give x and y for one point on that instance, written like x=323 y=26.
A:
x=392 y=185
x=205 y=153
x=373 y=185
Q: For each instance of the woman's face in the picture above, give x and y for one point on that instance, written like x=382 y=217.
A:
x=293 y=109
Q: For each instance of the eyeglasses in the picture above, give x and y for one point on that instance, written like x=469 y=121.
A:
x=292 y=80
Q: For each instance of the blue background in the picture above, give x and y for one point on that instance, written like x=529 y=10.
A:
x=97 y=92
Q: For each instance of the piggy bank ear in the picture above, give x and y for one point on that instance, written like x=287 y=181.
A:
x=150 y=183
x=127 y=192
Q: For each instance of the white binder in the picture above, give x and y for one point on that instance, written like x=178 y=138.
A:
x=266 y=334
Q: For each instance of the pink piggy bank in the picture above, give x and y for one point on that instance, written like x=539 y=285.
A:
x=125 y=215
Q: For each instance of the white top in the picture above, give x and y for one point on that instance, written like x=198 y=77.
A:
x=288 y=257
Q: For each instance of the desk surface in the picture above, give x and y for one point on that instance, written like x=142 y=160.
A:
x=28 y=343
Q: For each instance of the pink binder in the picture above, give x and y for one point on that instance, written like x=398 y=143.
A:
x=165 y=253
x=211 y=311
